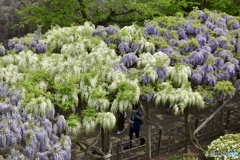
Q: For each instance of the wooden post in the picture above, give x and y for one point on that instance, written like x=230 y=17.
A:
x=196 y=125
x=186 y=117
x=148 y=141
x=159 y=141
x=105 y=141
x=228 y=117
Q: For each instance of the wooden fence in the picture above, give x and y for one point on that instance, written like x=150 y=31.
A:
x=172 y=138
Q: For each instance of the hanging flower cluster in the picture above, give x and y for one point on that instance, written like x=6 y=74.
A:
x=225 y=144
x=39 y=137
x=31 y=42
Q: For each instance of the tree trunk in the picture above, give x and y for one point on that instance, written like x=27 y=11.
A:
x=106 y=140
x=186 y=123
x=221 y=117
x=148 y=131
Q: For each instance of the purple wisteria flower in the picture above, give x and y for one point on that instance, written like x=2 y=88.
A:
x=15 y=154
x=147 y=97
x=146 y=79
x=112 y=30
x=43 y=155
x=213 y=44
x=121 y=67
x=236 y=63
x=237 y=84
x=161 y=72
x=210 y=79
x=11 y=45
x=196 y=58
x=186 y=61
x=19 y=47
x=229 y=68
x=226 y=55
x=100 y=31
x=219 y=32
x=2 y=50
x=3 y=141
x=210 y=25
x=225 y=44
x=149 y=29
x=207 y=68
x=219 y=62
x=201 y=40
x=167 y=51
x=182 y=34
x=29 y=152
x=129 y=59
x=124 y=47
x=61 y=124
x=234 y=24
x=41 y=134
x=173 y=42
x=41 y=48
x=135 y=47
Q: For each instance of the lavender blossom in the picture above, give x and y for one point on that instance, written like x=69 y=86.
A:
x=121 y=67
x=123 y=47
x=182 y=34
x=29 y=152
x=161 y=72
x=219 y=62
x=129 y=59
x=3 y=141
x=19 y=47
x=207 y=68
x=146 y=79
x=4 y=108
x=196 y=78
x=229 y=68
x=11 y=45
x=186 y=61
x=210 y=25
x=150 y=30
x=201 y=40
x=206 y=48
x=173 y=42
x=45 y=146
x=41 y=48
x=210 y=79
x=213 y=44
x=226 y=55
x=43 y=155
x=112 y=30
x=135 y=47
x=61 y=124
x=167 y=51
x=2 y=50
x=196 y=58
x=237 y=85
x=100 y=31
x=40 y=134
x=234 y=24
x=219 y=32
x=15 y=154
x=47 y=125
x=189 y=28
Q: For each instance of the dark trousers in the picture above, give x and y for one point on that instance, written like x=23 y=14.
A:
x=120 y=122
x=136 y=131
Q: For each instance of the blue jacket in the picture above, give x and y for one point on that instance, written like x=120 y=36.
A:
x=137 y=122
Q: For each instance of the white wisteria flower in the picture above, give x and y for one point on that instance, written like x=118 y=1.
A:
x=107 y=120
